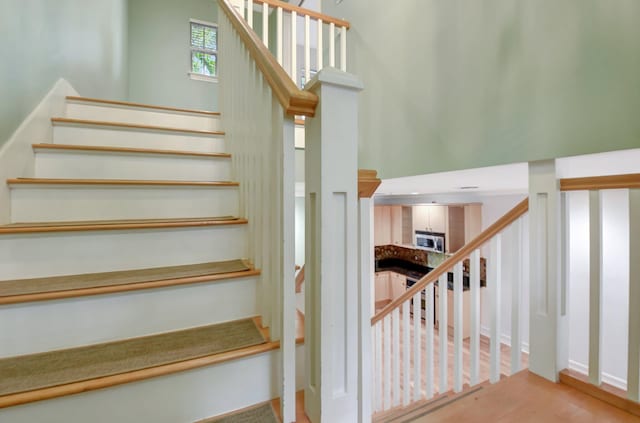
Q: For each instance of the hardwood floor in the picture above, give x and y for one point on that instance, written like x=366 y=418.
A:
x=523 y=398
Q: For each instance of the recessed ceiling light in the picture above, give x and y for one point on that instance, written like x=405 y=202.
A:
x=469 y=187
x=415 y=193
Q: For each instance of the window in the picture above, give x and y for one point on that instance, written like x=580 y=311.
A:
x=204 y=50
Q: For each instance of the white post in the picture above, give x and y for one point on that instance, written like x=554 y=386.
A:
x=548 y=328
x=331 y=338
x=366 y=312
x=633 y=371
x=595 y=287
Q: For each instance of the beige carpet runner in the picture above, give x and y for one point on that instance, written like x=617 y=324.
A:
x=30 y=372
x=92 y=280
x=259 y=414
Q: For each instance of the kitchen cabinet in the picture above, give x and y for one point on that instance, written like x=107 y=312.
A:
x=472 y=221
x=382 y=287
x=389 y=286
x=466 y=315
x=430 y=217
x=397 y=284
x=387 y=222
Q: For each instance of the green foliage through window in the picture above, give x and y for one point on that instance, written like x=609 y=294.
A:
x=204 y=49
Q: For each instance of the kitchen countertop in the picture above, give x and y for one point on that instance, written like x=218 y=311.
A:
x=416 y=271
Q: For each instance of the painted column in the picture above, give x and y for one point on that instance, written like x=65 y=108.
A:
x=549 y=322
x=367 y=184
x=331 y=304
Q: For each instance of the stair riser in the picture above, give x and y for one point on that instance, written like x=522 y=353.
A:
x=143 y=117
x=69 y=253
x=81 y=135
x=91 y=165
x=63 y=203
x=182 y=397
x=89 y=320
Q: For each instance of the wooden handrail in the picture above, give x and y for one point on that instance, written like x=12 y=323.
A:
x=460 y=255
x=293 y=100
x=305 y=12
x=631 y=180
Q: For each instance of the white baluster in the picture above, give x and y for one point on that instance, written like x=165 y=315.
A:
x=443 y=291
x=429 y=303
x=595 y=287
x=279 y=48
x=265 y=24
x=457 y=327
x=406 y=350
x=395 y=319
x=332 y=44
x=319 y=51
x=378 y=367
x=386 y=375
x=294 y=47
x=250 y=13
x=307 y=49
x=474 y=340
x=494 y=286
x=343 y=49
x=516 y=283
x=417 y=351
x=633 y=370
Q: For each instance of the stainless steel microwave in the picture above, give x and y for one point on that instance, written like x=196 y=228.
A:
x=430 y=241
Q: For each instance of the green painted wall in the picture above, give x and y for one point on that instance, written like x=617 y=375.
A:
x=159 y=55
x=41 y=41
x=452 y=84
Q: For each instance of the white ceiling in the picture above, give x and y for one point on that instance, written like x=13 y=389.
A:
x=447 y=187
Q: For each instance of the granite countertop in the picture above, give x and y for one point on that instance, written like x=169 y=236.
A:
x=417 y=271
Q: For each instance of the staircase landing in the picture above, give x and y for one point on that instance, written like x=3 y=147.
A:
x=524 y=397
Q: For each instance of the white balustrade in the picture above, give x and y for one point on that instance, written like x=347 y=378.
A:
x=287 y=38
x=407 y=365
x=260 y=137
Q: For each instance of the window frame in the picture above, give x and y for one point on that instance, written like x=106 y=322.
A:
x=195 y=75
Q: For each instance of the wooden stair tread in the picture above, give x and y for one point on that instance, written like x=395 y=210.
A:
x=107 y=149
x=51 y=374
x=105 y=225
x=67 y=286
x=77 y=99
x=127 y=182
x=122 y=125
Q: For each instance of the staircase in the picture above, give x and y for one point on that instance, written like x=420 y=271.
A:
x=129 y=236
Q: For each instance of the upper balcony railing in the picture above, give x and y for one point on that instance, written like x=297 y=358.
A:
x=315 y=27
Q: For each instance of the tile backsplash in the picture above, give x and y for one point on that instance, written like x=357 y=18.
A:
x=422 y=257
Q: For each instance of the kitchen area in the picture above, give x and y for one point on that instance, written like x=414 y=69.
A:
x=411 y=240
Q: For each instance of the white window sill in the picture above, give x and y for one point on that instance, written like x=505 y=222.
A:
x=200 y=77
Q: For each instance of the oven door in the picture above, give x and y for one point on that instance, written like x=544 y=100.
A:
x=423 y=300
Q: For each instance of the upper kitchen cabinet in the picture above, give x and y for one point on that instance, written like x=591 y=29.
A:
x=387 y=225
x=430 y=217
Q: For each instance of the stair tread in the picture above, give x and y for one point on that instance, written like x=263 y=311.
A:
x=124 y=125
x=65 y=181
x=62 y=372
x=108 y=149
x=78 y=99
x=55 y=284
x=97 y=225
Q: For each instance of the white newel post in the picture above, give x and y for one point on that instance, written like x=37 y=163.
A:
x=549 y=321
x=331 y=332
